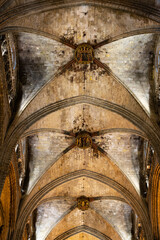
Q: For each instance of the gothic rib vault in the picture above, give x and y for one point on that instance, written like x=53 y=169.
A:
x=79 y=120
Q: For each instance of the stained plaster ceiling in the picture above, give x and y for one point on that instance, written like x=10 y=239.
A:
x=121 y=75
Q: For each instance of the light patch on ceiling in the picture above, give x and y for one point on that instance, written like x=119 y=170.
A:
x=117 y=213
x=131 y=60
x=44 y=149
x=49 y=214
x=123 y=149
x=39 y=60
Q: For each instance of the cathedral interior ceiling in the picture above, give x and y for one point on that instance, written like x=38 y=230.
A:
x=107 y=209
x=83 y=82
x=57 y=169
x=45 y=148
x=82 y=187
x=91 y=163
x=38 y=66
x=85 y=219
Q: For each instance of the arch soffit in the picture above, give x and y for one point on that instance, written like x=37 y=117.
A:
x=98 y=133
x=80 y=229
x=85 y=229
x=19 y=29
x=50 y=199
x=34 y=7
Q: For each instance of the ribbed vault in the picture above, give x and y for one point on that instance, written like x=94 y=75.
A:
x=81 y=85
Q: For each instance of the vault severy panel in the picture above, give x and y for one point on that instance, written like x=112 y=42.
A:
x=83 y=187
x=131 y=60
x=49 y=214
x=117 y=213
x=123 y=148
x=39 y=60
x=83 y=116
x=44 y=149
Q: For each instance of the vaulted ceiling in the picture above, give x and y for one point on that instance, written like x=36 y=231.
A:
x=86 y=135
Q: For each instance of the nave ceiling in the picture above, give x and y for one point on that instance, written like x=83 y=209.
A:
x=83 y=138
